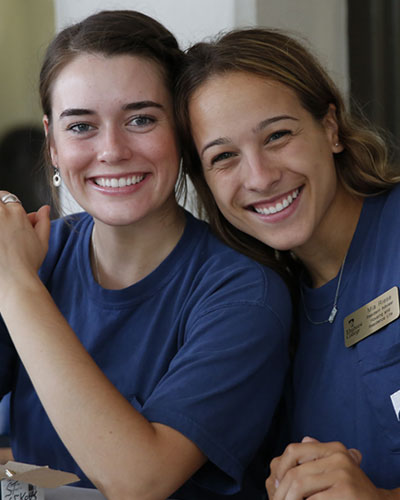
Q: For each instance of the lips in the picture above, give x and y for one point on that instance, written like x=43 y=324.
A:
x=277 y=206
x=114 y=182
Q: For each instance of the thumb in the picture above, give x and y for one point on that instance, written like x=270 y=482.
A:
x=42 y=224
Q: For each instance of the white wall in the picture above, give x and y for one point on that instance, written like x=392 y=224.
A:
x=323 y=23
x=189 y=20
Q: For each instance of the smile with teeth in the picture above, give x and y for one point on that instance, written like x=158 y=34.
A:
x=120 y=182
x=281 y=205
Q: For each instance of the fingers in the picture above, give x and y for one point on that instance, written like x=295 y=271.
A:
x=42 y=224
x=310 y=450
x=356 y=455
x=24 y=241
x=272 y=483
x=314 y=468
x=308 y=439
x=316 y=476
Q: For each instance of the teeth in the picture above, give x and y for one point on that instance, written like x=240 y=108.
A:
x=121 y=182
x=273 y=209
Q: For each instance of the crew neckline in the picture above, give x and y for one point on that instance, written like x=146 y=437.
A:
x=150 y=284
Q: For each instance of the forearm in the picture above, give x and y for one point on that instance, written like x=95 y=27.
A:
x=390 y=494
x=112 y=442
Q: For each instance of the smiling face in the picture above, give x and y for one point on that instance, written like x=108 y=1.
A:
x=267 y=161
x=112 y=136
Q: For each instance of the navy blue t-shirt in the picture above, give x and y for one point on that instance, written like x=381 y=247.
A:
x=200 y=345
x=344 y=393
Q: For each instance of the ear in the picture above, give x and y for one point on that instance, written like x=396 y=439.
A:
x=50 y=141
x=331 y=127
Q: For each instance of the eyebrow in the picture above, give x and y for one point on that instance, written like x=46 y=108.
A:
x=217 y=142
x=263 y=124
x=132 y=106
x=274 y=119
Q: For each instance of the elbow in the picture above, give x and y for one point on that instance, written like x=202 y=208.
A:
x=126 y=489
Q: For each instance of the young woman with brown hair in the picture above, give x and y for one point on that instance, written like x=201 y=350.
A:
x=277 y=158
x=146 y=345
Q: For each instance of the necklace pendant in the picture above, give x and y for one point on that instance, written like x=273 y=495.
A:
x=332 y=315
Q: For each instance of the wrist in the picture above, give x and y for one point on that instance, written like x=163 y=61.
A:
x=21 y=288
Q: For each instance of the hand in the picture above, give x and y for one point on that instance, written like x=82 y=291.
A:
x=23 y=242
x=320 y=471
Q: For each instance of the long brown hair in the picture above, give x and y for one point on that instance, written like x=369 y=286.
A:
x=362 y=167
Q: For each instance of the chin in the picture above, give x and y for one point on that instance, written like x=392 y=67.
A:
x=280 y=244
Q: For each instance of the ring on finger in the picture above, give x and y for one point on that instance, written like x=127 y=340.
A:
x=10 y=198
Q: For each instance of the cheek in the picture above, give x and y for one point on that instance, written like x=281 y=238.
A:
x=222 y=187
x=162 y=150
x=213 y=184
x=74 y=157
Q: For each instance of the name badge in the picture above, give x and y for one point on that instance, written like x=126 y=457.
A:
x=371 y=317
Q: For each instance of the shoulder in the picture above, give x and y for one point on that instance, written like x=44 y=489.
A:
x=392 y=197
x=67 y=228
x=65 y=235
x=233 y=278
x=380 y=215
x=383 y=202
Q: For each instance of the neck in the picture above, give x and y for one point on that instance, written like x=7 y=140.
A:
x=324 y=253
x=123 y=255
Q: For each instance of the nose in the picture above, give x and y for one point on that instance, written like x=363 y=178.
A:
x=114 y=146
x=260 y=173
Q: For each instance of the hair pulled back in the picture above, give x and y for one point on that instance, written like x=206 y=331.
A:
x=110 y=33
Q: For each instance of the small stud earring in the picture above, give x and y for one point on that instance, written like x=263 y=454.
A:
x=56 y=177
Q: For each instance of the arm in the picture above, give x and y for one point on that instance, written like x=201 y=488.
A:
x=5 y=455
x=311 y=469
x=124 y=454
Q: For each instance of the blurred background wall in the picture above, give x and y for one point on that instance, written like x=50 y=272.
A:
x=26 y=26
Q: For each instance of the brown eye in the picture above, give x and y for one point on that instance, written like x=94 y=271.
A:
x=277 y=135
x=221 y=157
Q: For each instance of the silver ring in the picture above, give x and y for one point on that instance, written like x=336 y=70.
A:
x=10 y=198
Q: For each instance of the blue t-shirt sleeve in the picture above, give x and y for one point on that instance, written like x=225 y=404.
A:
x=223 y=386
